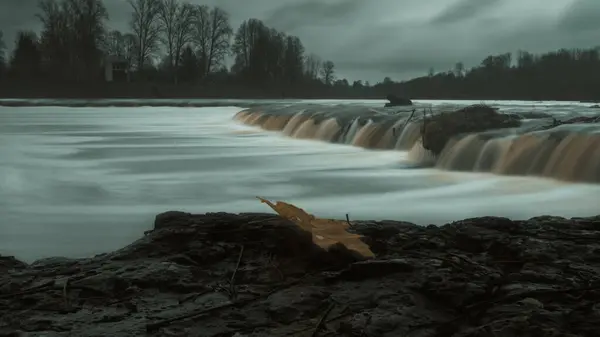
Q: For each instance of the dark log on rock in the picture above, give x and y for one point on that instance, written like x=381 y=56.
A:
x=221 y=274
x=397 y=101
x=439 y=129
x=574 y=120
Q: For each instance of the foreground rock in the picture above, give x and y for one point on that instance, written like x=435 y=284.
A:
x=437 y=130
x=259 y=275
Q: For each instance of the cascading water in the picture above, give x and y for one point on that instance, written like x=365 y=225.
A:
x=568 y=152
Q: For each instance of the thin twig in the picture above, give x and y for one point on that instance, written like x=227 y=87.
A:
x=409 y=118
x=405 y=123
x=322 y=320
x=232 y=281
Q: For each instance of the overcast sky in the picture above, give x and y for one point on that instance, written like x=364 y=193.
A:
x=371 y=39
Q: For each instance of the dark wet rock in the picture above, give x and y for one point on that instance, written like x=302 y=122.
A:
x=437 y=130
x=254 y=274
x=514 y=116
x=397 y=101
x=10 y=262
x=555 y=123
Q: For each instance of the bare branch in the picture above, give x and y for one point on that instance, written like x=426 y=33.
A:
x=146 y=27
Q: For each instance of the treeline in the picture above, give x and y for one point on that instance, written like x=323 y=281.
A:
x=169 y=41
x=566 y=74
x=177 y=48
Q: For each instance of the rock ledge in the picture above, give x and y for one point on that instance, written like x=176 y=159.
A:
x=220 y=274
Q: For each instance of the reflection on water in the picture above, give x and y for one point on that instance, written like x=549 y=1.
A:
x=79 y=181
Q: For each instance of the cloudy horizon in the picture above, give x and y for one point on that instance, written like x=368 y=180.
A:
x=401 y=39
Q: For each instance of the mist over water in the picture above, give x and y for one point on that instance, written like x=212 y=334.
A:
x=81 y=181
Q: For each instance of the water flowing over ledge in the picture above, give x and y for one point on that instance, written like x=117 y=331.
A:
x=538 y=145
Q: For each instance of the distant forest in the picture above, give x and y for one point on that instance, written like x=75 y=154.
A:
x=178 y=49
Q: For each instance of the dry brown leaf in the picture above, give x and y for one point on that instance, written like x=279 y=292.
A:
x=325 y=232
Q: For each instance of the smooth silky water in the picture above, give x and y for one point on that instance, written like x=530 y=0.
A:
x=80 y=181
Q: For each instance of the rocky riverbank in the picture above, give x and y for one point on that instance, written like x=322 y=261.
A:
x=260 y=275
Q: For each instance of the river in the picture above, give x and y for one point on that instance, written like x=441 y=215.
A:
x=81 y=181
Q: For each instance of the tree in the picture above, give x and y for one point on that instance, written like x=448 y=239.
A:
x=459 y=69
x=2 y=45
x=328 y=72
x=212 y=35
x=497 y=62
x=312 y=66
x=294 y=60
x=88 y=29
x=176 y=24
x=2 y=54
x=189 y=70
x=146 y=28
x=525 y=59
x=72 y=35
x=122 y=46
x=245 y=43
x=26 y=58
x=114 y=44
x=341 y=83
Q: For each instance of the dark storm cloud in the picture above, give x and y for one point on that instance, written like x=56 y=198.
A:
x=17 y=15
x=296 y=15
x=582 y=15
x=464 y=10
x=397 y=38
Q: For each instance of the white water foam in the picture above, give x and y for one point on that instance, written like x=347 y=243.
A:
x=80 y=181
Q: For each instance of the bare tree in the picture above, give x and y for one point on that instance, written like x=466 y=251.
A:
x=26 y=58
x=251 y=38
x=121 y=45
x=212 y=35
x=2 y=49
x=201 y=35
x=220 y=38
x=176 y=24
x=72 y=36
x=328 y=72
x=130 y=49
x=294 y=59
x=114 y=44
x=459 y=69
x=146 y=28
x=312 y=66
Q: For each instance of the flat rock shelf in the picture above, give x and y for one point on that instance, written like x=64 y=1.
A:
x=221 y=274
